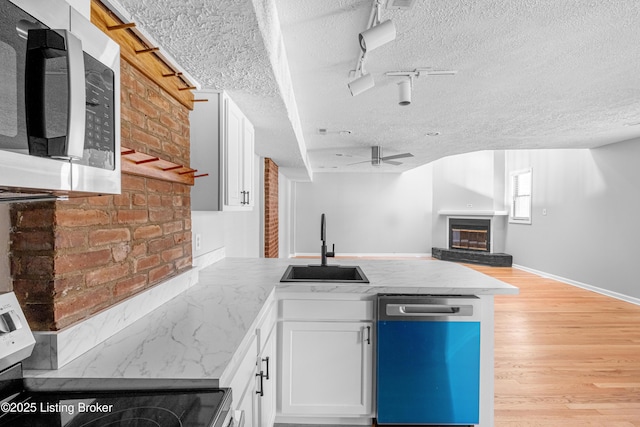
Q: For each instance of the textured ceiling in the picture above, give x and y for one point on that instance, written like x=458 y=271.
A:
x=530 y=74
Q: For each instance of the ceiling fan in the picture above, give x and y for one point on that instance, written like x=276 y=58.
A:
x=377 y=159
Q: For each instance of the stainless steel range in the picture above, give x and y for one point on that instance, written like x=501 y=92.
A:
x=80 y=404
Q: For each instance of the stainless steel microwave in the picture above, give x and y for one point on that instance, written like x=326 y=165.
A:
x=59 y=103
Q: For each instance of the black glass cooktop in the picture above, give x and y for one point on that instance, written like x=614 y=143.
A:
x=174 y=408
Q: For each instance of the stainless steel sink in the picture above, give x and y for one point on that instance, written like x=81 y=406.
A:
x=324 y=274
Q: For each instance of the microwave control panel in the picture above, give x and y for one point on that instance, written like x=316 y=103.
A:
x=99 y=137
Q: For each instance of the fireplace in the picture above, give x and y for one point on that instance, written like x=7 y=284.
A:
x=474 y=237
x=470 y=234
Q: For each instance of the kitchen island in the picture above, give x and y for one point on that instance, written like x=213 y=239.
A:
x=206 y=332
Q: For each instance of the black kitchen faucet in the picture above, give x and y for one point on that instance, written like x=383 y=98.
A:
x=323 y=250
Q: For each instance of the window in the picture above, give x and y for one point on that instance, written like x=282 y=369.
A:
x=521 y=183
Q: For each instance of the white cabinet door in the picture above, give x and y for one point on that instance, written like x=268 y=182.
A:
x=327 y=368
x=267 y=398
x=247 y=404
x=234 y=134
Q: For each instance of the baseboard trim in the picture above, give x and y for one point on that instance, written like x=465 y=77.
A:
x=209 y=258
x=602 y=291
x=368 y=255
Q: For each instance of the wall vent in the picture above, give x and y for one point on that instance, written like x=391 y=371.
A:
x=400 y=4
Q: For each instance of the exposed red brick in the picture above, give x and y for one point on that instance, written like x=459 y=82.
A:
x=79 y=261
x=161 y=272
x=70 y=238
x=120 y=252
x=159 y=186
x=169 y=122
x=32 y=240
x=131 y=216
x=131 y=182
x=144 y=138
x=79 y=304
x=147 y=262
x=123 y=199
x=130 y=285
x=106 y=236
x=99 y=200
x=172 y=254
x=147 y=232
x=107 y=274
x=161 y=215
x=139 y=199
x=159 y=245
x=39 y=216
x=146 y=108
x=81 y=217
x=172 y=227
x=271 y=209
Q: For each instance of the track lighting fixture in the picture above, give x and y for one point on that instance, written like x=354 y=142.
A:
x=377 y=35
x=405 y=85
x=361 y=84
x=404 y=91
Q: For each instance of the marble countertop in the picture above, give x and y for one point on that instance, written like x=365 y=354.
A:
x=196 y=334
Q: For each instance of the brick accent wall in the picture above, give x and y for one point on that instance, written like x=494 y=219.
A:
x=270 y=209
x=72 y=259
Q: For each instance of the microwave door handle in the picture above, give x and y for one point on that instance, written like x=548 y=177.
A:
x=43 y=44
x=77 y=97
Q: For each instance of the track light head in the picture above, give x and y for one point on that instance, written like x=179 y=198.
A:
x=377 y=35
x=404 y=91
x=361 y=84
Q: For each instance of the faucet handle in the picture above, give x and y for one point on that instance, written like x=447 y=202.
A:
x=333 y=251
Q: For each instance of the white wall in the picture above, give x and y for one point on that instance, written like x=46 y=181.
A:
x=238 y=232
x=5 y=228
x=471 y=181
x=590 y=233
x=285 y=213
x=370 y=213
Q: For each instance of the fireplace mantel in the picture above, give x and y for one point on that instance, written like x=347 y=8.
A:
x=452 y=212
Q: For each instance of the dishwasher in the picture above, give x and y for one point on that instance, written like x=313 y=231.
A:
x=428 y=360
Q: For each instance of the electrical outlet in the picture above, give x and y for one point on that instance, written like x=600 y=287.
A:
x=469 y=205
x=198 y=241
x=544 y=211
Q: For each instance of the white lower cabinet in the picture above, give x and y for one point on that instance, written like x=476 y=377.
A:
x=326 y=359
x=253 y=381
x=267 y=377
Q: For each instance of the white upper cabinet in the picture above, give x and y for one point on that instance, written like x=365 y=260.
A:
x=222 y=145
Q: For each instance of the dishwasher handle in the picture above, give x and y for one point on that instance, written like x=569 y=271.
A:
x=428 y=310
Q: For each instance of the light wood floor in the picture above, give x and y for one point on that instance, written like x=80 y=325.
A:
x=564 y=356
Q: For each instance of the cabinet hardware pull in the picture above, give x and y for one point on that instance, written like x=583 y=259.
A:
x=261 y=391
x=368 y=340
x=266 y=359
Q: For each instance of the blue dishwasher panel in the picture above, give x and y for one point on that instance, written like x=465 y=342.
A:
x=428 y=372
